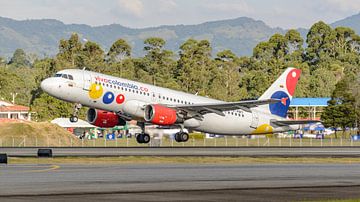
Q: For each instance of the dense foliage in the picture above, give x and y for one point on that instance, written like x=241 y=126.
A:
x=329 y=57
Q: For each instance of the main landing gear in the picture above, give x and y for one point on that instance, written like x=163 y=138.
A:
x=142 y=138
x=181 y=136
x=74 y=117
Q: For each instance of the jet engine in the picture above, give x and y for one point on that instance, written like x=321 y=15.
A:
x=104 y=119
x=161 y=115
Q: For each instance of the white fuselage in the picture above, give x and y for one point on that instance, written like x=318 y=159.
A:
x=137 y=95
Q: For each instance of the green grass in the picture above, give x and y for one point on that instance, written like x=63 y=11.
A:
x=157 y=160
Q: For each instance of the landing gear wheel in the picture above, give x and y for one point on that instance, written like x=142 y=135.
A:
x=139 y=138
x=74 y=119
x=177 y=137
x=181 y=137
x=184 y=137
x=143 y=138
x=146 y=138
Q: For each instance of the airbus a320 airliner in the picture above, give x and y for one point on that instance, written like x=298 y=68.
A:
x=113 y=101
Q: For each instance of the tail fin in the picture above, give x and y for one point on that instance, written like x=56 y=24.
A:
x=283 y=88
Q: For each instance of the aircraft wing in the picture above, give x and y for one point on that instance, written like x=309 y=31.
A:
x=292 y=122
x=218 y=108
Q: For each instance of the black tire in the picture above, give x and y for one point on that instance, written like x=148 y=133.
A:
x=184 y=137
x=74 y=119
x=3 y=159
x=178 y=137
x=146 y=138
x=139 y=138
x=45 y=153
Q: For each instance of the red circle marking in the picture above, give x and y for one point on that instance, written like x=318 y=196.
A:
x=291 y=80
x=120 y=99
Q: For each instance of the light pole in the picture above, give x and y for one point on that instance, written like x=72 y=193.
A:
x=13 y=97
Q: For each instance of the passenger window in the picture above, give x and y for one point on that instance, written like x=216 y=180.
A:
x=71 y=77
x=64 y=76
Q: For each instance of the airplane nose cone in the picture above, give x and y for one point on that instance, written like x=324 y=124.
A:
x=47 y=85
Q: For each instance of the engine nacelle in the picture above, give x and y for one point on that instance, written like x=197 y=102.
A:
x=160 y=115
x=104 y=119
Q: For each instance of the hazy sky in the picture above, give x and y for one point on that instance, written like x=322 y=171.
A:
x=147 y=13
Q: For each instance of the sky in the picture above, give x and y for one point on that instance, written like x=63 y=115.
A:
x=150 y=13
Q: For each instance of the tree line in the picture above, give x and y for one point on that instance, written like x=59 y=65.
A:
x=329 y=60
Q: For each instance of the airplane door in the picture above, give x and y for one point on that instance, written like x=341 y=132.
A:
x=155 y=97
x=87 y=80
x=255 y=120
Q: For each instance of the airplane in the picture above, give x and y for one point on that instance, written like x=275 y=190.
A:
x=113 y=101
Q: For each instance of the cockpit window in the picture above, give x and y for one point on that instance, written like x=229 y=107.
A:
x=65 y=76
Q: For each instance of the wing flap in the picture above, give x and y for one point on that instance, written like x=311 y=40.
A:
x=220 y=107
x=292 y=122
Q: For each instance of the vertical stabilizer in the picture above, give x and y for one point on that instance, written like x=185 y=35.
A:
x=283 y=88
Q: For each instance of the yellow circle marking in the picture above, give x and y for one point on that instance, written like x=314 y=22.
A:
x=96 y=91
x=263 y=129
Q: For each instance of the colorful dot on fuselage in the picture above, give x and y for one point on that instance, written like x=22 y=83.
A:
x=120 y=99
x=95 y=91
x=108 y=98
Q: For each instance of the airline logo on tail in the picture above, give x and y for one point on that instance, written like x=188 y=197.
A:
x=285 y=95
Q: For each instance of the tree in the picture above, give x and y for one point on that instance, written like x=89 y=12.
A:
x=19 y=59
x=195 y=66
x=227 y=78
x=340 y=111
x=70 y=52
x=319 y=40
x=159 y=63
x=119 y=51
x=91 y=56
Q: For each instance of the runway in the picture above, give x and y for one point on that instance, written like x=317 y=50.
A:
x=179 y=182
x=193 y=151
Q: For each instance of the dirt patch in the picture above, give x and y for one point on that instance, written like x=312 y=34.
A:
x=35 y=134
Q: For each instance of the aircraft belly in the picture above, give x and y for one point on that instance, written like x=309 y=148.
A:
x=215 y=124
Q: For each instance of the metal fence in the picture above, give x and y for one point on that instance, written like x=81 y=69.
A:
x=192 y=142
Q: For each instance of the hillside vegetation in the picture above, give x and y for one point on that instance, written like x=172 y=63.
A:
x=240 y=35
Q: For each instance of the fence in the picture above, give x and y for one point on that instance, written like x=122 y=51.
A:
x=192 y=142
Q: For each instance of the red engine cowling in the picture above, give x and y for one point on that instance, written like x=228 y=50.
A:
x=160 y=115
x=104 y=119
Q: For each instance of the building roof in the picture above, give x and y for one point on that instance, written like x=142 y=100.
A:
x=9 y=107
x=65 y=123
x=310 y=102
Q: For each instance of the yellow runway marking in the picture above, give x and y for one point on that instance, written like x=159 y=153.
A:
x=52 y=167
x=46 y=169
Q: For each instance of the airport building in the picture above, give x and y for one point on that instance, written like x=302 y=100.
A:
x=9 y=111
x=307 y=108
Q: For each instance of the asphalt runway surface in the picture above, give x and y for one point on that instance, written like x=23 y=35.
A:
x=179 y=182
x=193 y=151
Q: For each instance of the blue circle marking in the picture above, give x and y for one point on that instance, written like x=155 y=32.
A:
x=108 y=98
x=280 y=108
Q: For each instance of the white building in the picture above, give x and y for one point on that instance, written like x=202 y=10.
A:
x=13 y=111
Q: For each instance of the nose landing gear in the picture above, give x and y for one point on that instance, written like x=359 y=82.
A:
x=74 y=117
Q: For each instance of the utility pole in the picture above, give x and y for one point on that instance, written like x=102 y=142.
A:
x=13 y=97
